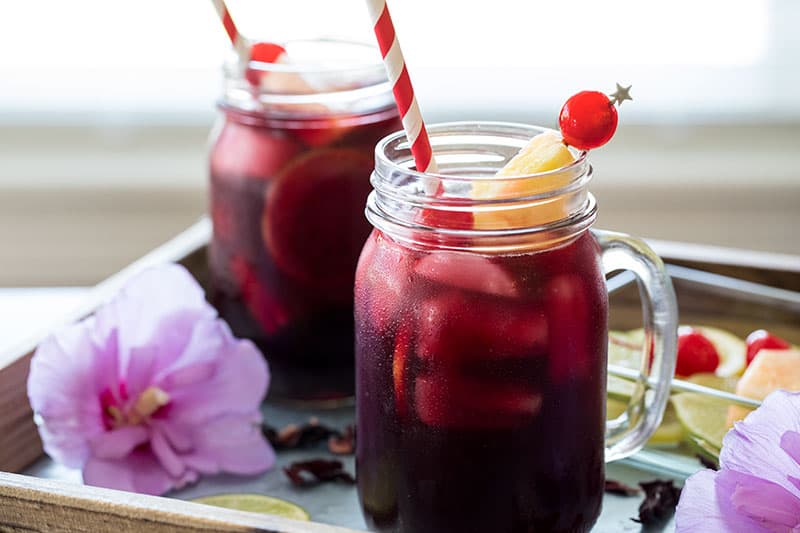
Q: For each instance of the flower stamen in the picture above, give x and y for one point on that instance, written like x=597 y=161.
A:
x=148 y=402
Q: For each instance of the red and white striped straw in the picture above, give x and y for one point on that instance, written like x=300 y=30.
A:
x=401 y=86
x=239 y=42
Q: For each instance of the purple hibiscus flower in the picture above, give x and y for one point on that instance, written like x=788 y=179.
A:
x=758 y=485
x=152 y=391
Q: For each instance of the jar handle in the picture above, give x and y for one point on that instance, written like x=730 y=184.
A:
x=629 y=432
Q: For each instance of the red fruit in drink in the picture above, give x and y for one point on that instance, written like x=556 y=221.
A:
x=453 y=401
x=245 y=151
x=455 y=330
x=263 y=307
x=695 y=353
x=588 y=120
x=262 y=53
x=763 y=339
x=402 y=348
x=313 y=223
x=467 y=271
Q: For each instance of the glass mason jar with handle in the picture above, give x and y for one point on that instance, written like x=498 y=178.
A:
x=290 y=161
x=481 y=341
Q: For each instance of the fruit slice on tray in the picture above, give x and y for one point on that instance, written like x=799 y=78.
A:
x=770 y=370
x=763 y=340
x=313 y=223
x=256 y=503
x=704 y=418
x=669 y=433
x=624 y=349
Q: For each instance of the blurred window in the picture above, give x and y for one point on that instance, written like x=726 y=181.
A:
x=156 y=61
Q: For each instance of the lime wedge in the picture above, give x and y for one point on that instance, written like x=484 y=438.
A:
x=669 y=433
x=256 y=503
x=702 y=419
x=713 y=381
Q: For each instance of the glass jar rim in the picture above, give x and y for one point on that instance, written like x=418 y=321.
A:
x=469 y=153
x=326 y=77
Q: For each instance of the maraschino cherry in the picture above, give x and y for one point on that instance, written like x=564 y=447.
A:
x=589 y=118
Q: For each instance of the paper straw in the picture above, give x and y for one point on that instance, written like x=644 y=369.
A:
x=240 y=44
x=401 y=86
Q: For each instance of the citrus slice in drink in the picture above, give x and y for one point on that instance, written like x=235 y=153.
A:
x=543 y=155
x=313 y=222
x=256 y=503
x=242 y=151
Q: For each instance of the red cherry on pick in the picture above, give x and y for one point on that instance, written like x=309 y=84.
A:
x=588 y=120
x=695 y=353
x=762 y=339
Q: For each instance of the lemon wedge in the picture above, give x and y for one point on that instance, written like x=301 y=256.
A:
x=545 y=153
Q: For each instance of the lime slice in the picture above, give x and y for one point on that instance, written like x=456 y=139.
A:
x=669 y=433
x=256 y=503
x=713 y=381
x=701 y=447
x=622 y=351
x=703 y=419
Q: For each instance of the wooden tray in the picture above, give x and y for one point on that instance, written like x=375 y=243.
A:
x=27 y=502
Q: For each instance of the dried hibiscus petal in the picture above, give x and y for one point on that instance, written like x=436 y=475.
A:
x=296 y=436
x=315 y=471
x=621 y=489
x=343 y=443
x=661 y=498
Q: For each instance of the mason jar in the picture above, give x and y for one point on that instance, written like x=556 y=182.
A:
x=290 y=160
x=481 y=341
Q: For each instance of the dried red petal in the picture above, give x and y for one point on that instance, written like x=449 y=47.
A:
x=661 y=498
x=315 y=471
x=619 y=488
x=343 y=443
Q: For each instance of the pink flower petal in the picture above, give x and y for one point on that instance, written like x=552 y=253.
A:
x=766 y=503
x=139 y=472
x=61 y=390
x=118 y=443
x=234 y=444
x=178 y=435
x=166 y=455
x=753 y=445
x=158 y=334
x=239 y=385
x=698 y=510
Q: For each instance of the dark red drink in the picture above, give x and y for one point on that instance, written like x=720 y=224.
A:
x=481 y=339
x=288 y=186
x=486 y=384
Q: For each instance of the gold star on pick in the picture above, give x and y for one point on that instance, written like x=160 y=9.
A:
x=621 y=94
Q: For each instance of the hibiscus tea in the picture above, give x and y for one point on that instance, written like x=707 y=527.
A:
x=289 y=179
x=481 y=388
